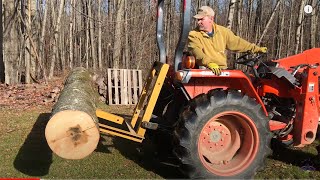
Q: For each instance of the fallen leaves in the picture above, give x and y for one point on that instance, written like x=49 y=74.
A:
x=25 y=96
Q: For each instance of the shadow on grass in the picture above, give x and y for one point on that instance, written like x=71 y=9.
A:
x=294 y=156
x=146 y=154
x=35 y=157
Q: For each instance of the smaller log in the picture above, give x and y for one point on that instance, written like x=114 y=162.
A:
x=73 y=131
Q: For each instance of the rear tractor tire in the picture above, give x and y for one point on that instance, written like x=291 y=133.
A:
x=222 y=134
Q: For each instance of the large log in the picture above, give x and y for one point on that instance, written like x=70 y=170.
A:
x=72 y=131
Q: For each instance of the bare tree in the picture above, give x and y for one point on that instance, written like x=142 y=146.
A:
x=117 y=34
x=269 y=22
x=42 y=44
x=11 y=39
x=239 y=18
x=71 y=24
x=91 y=31
x=313 y=25
x=127 y=44
x=87 y=29
x=30 y=64
x=249 y=17
x=55 y=42
x=290 y=27
x=2 y=70
x=280 y=27
x=257 y=21
x=99 y=36
x=299 y=26
x=232 y=7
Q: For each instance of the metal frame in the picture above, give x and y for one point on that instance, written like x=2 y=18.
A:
x=132 y=129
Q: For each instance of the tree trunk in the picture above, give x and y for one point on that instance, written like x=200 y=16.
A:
x=86 y=21
x=43 y=31
x=301 y=38
x=27 y=49
x=127 y=46
x=11 y=42
x=280 y=27
x=73 y=131
x=313 y=25
x=299 y=26
x=62 y=51
x=2 y=75
x=87 y=44
x=117 y=35
x=92 y=42
x=232 y=8
x=32 y=13
x=257 y=21
x=55 y=42
x=80 y=24
x=71 y=35
x=99 y=36
x=239 y=18
x=269 y=22
x=290 y=28
x=250 y=4
x=167 y=25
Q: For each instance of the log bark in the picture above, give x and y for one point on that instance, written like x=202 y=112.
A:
x=72 y=131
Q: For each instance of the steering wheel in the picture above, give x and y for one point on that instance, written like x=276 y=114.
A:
x=248 y=59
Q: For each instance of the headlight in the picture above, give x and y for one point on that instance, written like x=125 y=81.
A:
x=188 y=62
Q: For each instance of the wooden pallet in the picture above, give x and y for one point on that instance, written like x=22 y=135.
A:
x=124 y=86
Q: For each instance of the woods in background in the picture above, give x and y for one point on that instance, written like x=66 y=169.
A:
x=41 y=39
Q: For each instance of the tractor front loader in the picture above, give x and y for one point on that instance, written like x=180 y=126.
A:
x=221 y=126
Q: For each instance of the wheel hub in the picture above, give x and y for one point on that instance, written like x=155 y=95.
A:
x=215 y=137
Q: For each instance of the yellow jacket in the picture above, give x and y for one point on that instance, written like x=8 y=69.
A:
x=212 y=49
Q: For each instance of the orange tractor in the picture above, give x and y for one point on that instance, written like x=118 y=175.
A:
x=221 y=126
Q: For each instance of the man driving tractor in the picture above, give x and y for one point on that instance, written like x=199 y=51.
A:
x=209 y=41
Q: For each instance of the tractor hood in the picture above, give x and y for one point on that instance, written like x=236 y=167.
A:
x=311 y=56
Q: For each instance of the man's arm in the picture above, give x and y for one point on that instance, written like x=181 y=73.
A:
x=235 y=43
x=196 y=49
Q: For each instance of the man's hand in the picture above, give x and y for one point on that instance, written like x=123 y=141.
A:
x=214 y=68
x=263 y=49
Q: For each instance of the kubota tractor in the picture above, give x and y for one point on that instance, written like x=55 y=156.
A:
x=221 y=126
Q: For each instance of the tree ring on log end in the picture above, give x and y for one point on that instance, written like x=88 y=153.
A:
x=72 y=134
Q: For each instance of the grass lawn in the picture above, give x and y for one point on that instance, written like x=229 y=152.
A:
x=25 y=153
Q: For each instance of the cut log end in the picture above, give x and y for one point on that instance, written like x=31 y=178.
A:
x=72 y=134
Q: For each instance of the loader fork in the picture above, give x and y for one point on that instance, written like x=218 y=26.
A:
x=133 y=129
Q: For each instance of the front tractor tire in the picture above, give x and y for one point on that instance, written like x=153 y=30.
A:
x=222 y=134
